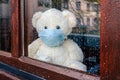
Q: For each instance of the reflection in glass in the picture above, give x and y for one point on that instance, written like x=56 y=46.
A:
x=5 y=25
x=85 y=34
x=87 y=31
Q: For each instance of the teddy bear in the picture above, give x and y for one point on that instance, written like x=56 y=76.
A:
x=53 y=26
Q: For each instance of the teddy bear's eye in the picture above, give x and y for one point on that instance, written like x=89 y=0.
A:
x=45 y=27
x=57 y=27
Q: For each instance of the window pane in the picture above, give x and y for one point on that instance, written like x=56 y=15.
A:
x=85 y=34
x=78 y=6
x=5 y=31
x=65 y=4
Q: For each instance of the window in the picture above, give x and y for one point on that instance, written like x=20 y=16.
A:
x=79 y=36
x=96 y=21
x=78 y=5
x=78 y=22
x=88 y=6
x=4 y=1
x=40 y=3
x=65 y=4
x=109 y=54
x=88 y=21
x=56 y=4
x=5 y=28
x=44 y=3
x=95 y=7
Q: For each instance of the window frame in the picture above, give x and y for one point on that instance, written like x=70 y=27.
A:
x=108 y=53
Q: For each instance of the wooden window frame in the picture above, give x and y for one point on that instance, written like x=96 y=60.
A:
x=109 y=48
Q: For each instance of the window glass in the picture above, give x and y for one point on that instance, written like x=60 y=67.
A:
x=78 y=5
x=5 y=31
x=65 y=4
x=88 y=21
x=85 y=33
x=88 y=6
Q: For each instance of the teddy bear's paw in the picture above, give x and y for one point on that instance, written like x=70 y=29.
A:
x=77 y=65
x=47 y=59
x=43 y=58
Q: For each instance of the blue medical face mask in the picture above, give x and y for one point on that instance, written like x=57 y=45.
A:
x=52 y=37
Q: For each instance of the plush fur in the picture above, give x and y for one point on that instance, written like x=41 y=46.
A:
x=68 y=54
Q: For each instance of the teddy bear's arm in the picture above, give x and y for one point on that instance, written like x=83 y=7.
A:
x=43 y=57
x=75 y=56
x=33 y=47
x=76 y=65
x=75 y=52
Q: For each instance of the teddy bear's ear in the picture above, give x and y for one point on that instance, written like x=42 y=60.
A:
x=35 y=17
x=71 y=18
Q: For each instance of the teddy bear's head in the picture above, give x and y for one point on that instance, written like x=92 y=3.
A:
x=53 y=25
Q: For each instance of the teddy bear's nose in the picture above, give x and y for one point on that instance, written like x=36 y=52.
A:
x=57 y=27
x=45 y=27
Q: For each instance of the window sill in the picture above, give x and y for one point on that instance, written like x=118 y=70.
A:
x=45 y=70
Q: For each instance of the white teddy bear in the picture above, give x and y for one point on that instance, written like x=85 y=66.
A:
x=53 y=26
